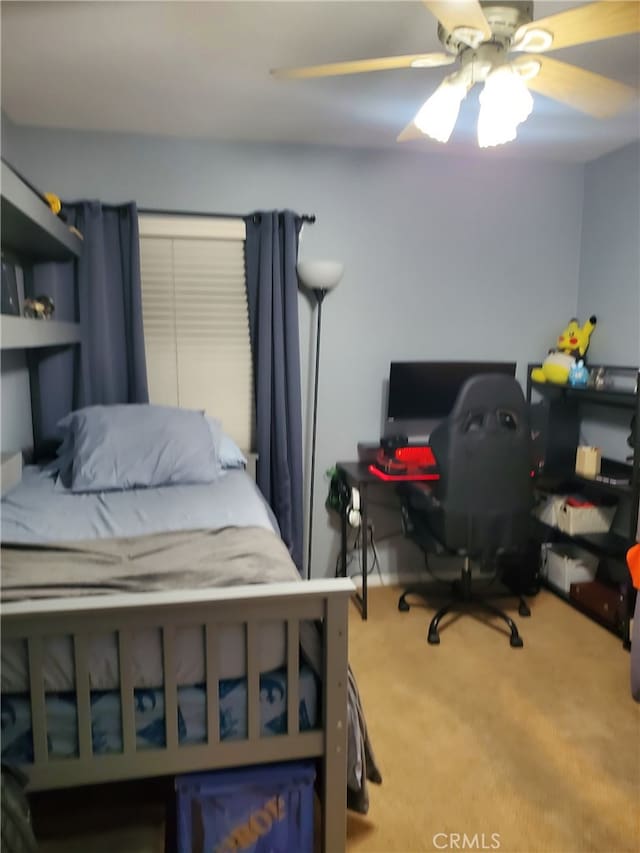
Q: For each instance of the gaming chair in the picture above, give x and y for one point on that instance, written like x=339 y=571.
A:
x=481 y=506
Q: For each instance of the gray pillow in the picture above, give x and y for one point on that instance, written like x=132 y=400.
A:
x=229 y=453
x=138 y=446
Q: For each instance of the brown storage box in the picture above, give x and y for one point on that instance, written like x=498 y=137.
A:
x=605 y=602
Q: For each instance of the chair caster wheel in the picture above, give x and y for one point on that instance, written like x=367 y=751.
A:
x=403 y=607
x=517 y=642
x=433 y=638
x=523 y=610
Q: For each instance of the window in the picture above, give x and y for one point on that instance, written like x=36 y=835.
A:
x=196 y=323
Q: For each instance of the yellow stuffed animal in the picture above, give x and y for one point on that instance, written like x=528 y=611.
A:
x=571 y=345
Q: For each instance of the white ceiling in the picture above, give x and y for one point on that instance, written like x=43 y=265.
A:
x=201 y=69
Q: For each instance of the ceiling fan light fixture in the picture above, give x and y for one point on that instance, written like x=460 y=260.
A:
x=469 y=35
x=506 y=91
x=438 y=115
x=527 y=68
x=505 y=102
x=494 y=130
x=532 y=40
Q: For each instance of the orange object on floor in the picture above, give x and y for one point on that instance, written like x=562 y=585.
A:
x=633 y=561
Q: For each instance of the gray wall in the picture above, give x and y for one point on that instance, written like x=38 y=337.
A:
x=610 y=280
x=444 y=258
x=610 y=256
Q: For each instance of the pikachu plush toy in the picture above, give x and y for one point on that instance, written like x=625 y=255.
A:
x=571 y=345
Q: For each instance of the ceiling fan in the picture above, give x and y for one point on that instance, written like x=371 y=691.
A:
x=497 y=43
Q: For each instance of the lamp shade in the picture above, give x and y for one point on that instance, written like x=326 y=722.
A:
x=320 y=275
x=438 y=115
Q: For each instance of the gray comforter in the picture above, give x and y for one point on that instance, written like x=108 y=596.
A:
x=199 y=559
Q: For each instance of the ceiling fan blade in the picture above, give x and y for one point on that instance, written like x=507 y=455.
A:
x=362 y=66
x=459 y=13
x=592 y=22
x=590 y=93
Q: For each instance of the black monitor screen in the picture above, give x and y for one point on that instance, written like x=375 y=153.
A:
x=428 y=389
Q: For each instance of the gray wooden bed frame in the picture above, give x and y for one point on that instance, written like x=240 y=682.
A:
x=292 y=603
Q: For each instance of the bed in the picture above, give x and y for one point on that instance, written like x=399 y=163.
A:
x=164 y=630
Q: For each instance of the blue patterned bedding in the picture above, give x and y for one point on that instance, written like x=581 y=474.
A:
x=62 y=728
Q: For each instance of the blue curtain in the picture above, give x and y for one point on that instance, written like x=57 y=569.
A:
x=272 y=293
x=102 y=288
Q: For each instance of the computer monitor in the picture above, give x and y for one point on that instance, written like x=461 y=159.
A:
x=421 y=393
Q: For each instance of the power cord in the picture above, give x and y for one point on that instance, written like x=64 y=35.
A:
x=356 y=549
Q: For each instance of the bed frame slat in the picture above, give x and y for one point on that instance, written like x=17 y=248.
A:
x=170 y=687
x=253 y=682
x=83 y=694
x=38 y=709
x=293 y=675
x=127 y=703
x=213 y=689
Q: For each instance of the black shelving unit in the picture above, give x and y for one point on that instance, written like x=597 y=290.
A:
x=564 y=407
x=32 y=233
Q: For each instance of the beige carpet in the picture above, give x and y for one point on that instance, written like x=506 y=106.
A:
x=482 y=746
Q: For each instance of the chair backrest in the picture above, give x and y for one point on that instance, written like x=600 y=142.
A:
x=483 y=451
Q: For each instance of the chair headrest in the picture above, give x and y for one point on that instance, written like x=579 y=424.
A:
x=489 y=391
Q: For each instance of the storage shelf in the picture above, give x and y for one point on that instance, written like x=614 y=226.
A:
x=574 y=482
x=604 y=396
x=618 y=630
x=564 y=407
x=608 y=544
x=28 y=333
x=30 y=229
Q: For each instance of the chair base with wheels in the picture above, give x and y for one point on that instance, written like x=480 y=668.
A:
x=464 y=596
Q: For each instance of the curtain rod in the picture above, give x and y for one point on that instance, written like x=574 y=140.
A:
x=305 y=217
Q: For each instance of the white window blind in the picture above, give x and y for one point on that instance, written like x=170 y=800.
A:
x=196 y=325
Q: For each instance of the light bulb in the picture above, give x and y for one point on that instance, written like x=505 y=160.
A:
x=505 y=102
x=437 y=116
x=494 y=130
x=505 y=91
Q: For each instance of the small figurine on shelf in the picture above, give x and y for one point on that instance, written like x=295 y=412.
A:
x=40 y=308
x=578 y=374
x=599 y=379
x=571 y=345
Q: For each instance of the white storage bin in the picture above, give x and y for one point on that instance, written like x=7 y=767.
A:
x=563 y=565
x=548 y=509
x=575 y=520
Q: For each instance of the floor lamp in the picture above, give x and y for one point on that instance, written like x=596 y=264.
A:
x=319 y=277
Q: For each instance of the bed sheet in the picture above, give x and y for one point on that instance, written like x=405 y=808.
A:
x=62 y=727
x=40 y=511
